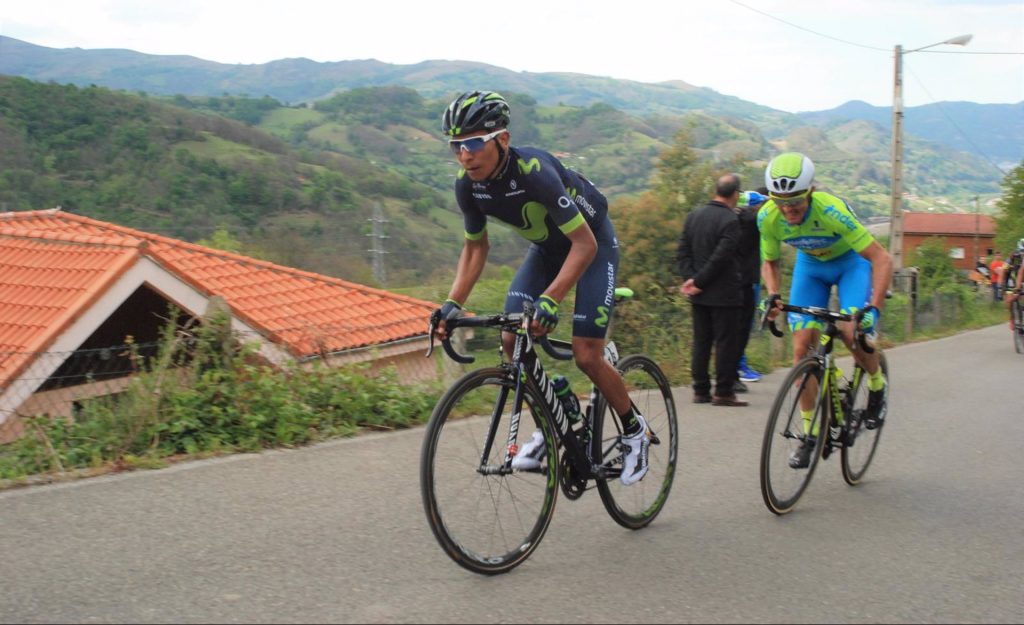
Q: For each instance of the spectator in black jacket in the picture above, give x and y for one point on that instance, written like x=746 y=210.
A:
x=711 y=280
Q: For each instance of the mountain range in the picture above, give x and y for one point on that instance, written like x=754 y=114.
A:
x=992 y=132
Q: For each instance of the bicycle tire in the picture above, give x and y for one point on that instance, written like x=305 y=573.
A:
x=635 y=506
x=861 y=443
x=1018 y=325
x=487 y=523
x=781 y=485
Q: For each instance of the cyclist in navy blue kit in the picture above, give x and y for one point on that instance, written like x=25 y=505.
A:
x=572 y=243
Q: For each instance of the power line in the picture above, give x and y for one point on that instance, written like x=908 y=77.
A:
x=854 y=43
x=813 y=32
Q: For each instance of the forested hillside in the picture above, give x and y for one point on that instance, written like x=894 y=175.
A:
x=142 y=163
x=300 y=185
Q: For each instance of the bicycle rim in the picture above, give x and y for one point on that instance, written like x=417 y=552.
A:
x=637 y=505
x=1018 y=326
x=488 y=524
x=861 y=443
x=781 y=485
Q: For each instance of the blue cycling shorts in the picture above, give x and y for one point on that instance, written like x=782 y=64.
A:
x=595 y=291
x=813 y=281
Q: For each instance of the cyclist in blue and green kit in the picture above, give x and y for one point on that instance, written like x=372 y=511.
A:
x=572 y=243
x=833 y=249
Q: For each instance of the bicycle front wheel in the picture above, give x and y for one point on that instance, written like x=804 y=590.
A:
x=637 y=505
x=861 y=443
x=486 y=518
x=787 y=431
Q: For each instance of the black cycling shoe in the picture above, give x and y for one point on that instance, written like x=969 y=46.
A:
x=874 y=416
x=801 y=458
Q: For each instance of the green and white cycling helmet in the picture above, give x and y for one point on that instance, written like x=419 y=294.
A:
x=787 y=173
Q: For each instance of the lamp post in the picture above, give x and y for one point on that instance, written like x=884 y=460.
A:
x=896 y=208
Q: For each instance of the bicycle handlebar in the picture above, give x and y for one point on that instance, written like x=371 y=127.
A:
x=824 y=314
x=510 y=322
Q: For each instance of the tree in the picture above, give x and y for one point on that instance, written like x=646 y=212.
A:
x=1010 y=222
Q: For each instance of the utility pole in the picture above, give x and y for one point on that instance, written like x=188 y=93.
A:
x=896 y=207
x=377 y=244
x=896 y=199
x=977 y=233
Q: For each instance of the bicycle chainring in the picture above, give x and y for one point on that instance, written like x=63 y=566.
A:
x=572 y=487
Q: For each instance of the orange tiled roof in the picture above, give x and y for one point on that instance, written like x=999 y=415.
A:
x=53 y=264
x=948 y=223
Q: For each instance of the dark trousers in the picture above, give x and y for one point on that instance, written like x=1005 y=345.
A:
x=746 y=317
x=718 y=327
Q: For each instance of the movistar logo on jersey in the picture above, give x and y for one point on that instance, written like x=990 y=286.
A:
x=602 y=317
x=533 y=227
x=527 y=167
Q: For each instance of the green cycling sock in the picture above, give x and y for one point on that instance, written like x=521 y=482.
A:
x=876 y=381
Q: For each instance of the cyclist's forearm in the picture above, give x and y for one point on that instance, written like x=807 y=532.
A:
x=771 y=274
x=470 y=267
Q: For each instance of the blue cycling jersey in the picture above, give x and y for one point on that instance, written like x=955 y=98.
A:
x=536 y=195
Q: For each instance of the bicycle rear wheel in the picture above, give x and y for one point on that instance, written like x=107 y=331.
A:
x=786 y=431
x=487 y=520
x=637 y=505
x=1018 y=325
x=861 y=443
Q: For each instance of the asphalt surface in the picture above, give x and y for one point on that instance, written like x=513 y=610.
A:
x=336 y=532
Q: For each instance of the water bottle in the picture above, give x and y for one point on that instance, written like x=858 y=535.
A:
x=570 y=403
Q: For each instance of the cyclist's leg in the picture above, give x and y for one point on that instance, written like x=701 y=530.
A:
x=854 y=282
x=532 y=277
x=811 y=286
x=595 y=303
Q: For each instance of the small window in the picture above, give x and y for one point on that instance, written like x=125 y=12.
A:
x=957 y=253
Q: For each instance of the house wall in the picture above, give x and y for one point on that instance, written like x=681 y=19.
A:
x=408 y=359
x=966 y=242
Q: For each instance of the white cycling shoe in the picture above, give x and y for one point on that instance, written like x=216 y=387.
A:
x=530 y=455
x=635 y=463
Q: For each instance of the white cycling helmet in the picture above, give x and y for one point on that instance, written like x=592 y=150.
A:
x=1020 y=245
x=791 y=172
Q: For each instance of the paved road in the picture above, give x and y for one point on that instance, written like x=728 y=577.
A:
x=336 y=532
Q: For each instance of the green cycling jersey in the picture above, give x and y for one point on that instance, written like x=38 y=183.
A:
x=829 y=230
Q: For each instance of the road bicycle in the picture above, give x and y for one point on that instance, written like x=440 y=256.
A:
x=1017 y=315
x=839 y=403
x=489 y=517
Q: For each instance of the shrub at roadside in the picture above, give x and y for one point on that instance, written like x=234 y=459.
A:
x=204 y=395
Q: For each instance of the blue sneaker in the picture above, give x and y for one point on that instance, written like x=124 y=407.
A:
x=747 y=374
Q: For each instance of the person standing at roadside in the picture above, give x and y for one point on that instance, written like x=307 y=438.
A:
x=995 y=269
x=708 y=264
x=749 y=255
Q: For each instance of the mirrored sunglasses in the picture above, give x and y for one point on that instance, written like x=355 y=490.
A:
x=789 y=201
x=473 y=144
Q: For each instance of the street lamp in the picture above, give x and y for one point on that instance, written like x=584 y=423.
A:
x=896 y=208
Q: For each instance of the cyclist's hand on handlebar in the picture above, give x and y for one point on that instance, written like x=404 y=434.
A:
x=869 y=318
x=771 y=306
x=545 y=317
x=449 y=310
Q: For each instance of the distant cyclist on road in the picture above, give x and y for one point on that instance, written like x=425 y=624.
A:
x=572 y=243
x=1013 y=276
x=833 y=249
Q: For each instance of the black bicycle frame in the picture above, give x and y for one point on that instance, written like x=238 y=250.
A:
x=528 y=368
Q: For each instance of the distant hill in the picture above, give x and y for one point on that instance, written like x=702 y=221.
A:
x=992 y=131
x=302 y=80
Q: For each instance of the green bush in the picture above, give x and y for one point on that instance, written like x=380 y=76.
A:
x=203 y=394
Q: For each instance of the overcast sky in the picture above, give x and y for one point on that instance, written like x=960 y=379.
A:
x=793 y=55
